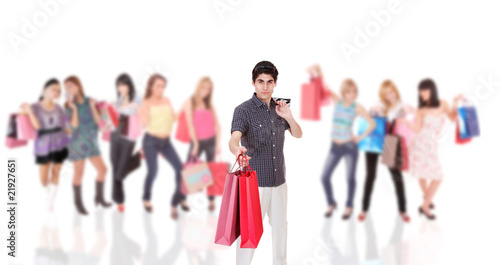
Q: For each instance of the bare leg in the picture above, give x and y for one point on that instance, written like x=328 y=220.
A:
x=44 y=174
x=99 y=165
x=431 y=191
x=55 y=170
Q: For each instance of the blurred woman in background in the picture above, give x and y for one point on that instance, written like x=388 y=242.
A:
x=203 y=125
x=83 y=143
x=48 y=118
x=158 y=117
x=122 y=160
x=424 y=157
x=344 y=142
x=393 y=109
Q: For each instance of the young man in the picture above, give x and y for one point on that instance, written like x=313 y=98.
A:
x=260 y=123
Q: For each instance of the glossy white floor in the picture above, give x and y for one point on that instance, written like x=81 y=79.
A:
x=463 y=233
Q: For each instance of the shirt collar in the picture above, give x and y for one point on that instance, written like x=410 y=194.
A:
x=260 y=103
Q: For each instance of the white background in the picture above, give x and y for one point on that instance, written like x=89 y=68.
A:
x=455 y=43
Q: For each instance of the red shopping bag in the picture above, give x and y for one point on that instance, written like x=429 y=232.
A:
x=460 y=140
x=219 y=171
x=228 y=224
x=250 y=213
x=310 y=102
x=324 y=94
x=182 y=133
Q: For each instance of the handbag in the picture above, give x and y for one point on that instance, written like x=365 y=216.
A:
x=392 y=153
x=196 y=175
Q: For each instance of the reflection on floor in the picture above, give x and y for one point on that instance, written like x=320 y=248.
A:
x=194 y=235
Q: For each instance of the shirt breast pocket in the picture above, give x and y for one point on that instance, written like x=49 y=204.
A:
x=282 y=124
x=260 y=133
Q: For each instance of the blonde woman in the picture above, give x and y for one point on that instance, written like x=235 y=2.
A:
x=203 y=125
x=344 y=144
x=393 y=109
x=158 y=117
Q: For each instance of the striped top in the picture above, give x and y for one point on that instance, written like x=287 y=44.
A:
x=343 y=120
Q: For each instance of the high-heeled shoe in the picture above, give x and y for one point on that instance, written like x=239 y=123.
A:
x=431 y=206
x=185 y=208
x=99 y=195
x=149 y=208
x=347 y=216
x=77 y=191
x=330 y=211
x=361 y=217
x=174 y=214
x=429 y=216
x=405 y=217
x=211 y=207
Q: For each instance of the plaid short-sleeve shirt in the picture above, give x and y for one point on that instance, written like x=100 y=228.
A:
x=263 y=134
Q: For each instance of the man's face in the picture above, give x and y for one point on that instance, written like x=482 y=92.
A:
x=264 y=86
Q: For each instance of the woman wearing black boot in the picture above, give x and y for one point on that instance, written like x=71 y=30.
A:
x=83 y=145
x=122 y=160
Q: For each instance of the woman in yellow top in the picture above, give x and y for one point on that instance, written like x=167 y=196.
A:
x=157 y=117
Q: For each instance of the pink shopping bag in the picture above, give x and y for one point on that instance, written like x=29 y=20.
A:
x=134 y=126
x=25 y=130
x=228 y=225
x=13 y=142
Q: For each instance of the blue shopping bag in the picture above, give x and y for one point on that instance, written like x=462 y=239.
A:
x=374 y=142
x=462 y=124
x=468 y=123
x=472 y=121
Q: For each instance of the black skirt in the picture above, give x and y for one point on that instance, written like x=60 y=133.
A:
x=55 y=157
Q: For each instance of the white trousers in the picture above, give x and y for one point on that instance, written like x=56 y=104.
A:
x=273 y=202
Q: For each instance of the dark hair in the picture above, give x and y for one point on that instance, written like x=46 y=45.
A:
x=49 y=82
x=151 y=82
x=428 y=84
x=265 y=67
x=125 y=79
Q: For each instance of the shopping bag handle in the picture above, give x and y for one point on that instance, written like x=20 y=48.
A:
x=193 y=159
x=248 y=165
x=237 y=158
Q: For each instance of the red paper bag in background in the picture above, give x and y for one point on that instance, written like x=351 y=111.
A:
x=324 y=93
x=219 y=171
x=310 y=102
x=182 y=133
x=459 y=140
